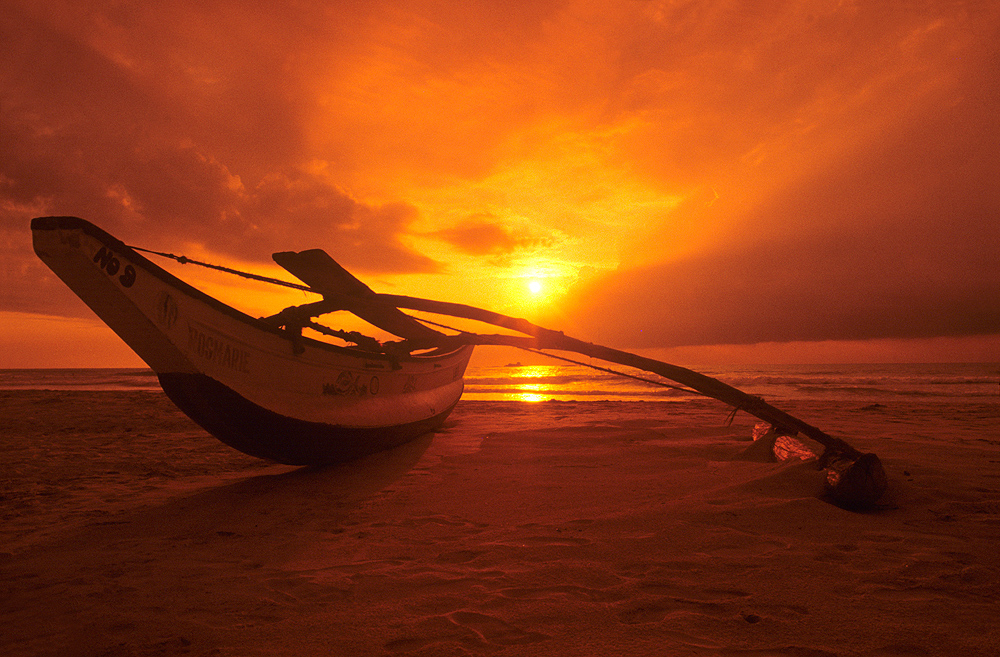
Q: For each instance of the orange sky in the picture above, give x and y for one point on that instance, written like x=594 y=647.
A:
x=803 y=180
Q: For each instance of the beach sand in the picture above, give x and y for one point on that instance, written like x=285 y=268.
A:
x=520 y=529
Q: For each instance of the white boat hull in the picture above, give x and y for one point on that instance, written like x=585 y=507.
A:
x=245 y=382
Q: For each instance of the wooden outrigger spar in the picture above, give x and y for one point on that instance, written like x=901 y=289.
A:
x=854 y=479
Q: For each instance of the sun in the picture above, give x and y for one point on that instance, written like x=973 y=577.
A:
x=535 y=285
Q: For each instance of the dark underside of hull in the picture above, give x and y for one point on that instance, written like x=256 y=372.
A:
x=254 y=430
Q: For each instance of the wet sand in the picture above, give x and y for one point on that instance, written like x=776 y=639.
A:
x=520 y=529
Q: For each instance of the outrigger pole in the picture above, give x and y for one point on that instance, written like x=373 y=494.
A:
x=854 y=479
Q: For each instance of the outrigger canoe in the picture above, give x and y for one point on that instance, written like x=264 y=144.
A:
x=263 y=389
x=261 y=386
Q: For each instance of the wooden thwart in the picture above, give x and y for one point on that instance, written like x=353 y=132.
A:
x=342 y=291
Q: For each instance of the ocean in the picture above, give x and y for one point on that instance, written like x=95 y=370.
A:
x=954 y=383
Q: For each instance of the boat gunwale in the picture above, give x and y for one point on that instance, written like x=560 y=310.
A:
x=68 y=222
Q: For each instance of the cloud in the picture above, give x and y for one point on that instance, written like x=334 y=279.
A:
x=900 y=243
x=103 y=126
x=786 y=292
x=170 y=195
x=175 y=193
x=482 y=234
x=302 y=209
x=840 y=183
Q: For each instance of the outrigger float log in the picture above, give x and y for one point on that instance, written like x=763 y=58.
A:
x=262 y=387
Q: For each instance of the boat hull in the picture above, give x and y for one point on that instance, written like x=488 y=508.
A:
x=256 y=388
x=253 y=429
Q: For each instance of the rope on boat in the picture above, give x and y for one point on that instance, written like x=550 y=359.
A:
x=184 y=260
x=354 y=336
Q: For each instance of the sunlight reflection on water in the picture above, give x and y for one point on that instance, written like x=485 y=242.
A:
x=868 y=383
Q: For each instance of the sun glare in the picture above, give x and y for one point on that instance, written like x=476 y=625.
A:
x=538 y=284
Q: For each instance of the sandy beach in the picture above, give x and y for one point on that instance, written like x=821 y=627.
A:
x=554 y=528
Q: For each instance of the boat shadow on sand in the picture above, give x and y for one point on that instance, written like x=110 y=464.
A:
x=267 y=512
